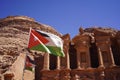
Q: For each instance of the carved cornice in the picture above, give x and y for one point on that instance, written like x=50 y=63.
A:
x=81 y=40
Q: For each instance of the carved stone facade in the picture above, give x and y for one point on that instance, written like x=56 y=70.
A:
x=93 y=54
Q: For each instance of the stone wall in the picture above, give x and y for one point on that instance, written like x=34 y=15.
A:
x=14 y=35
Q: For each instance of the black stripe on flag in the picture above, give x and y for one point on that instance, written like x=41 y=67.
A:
x=43 y=34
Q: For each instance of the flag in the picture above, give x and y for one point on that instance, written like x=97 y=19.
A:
x=29 y=64
x=45 y=42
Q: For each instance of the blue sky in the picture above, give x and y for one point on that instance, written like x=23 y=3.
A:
x=66 y=16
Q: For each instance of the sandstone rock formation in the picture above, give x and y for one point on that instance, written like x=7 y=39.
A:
x=14 y=35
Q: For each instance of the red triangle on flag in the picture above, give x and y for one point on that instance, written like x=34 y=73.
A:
x=34 y=39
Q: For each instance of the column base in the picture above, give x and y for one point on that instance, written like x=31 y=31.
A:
x=101 y=67
x=45 y=70
x=79 y=68
x=89 y=68
x=113 y=65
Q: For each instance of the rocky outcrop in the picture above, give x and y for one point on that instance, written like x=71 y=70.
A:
x=14 y=35
x=24 y=23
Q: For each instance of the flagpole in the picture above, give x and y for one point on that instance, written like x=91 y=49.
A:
x=29 y=36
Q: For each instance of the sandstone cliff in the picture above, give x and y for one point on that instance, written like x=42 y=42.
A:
x=14 y=34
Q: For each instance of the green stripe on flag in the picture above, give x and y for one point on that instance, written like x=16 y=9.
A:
x=39 y=47
x=55 y=50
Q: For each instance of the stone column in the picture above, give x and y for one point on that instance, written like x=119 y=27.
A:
x=111 y=57
x=78 y=59
x=88 y=58
x=68 y=60
x=100 y=58
x=66 y=39
x=46 y=62
x=89 y=61
x=58 y=62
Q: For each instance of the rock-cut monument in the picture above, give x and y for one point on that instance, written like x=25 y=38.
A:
x=93 y=54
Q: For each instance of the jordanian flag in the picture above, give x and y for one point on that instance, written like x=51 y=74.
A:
x=29 y=64
x=45 y=42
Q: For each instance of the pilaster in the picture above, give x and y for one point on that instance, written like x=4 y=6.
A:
x=58 y=63
x=46 y=62
x=100 y=58
x=111 y=57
